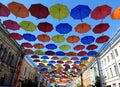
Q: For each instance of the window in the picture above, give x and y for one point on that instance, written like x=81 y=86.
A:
x=105 y=61
x=116 y=70
x=111 y=72
x=112 y=55
x=116 y=52
x=114 y=85
x=108 y=76
x=108 y=58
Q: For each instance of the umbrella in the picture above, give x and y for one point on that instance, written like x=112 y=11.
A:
x=59 y=11
x=49 y=64
x=64 y=58
x=54 y=58
x=77 y=62
x=43 y=38
x=58 y=38
x=39 y=52
x=44 y=57
x=45 y=27
x=80 y=12
x=42 y=64
x=70 y=54
x=63 y=28
x=28 y=51
x=39 y=11
x=84 y=58
x=38 y=46
x=16 y=36
x=102 y=39
x=91 y=47
x=68 y=62
x=28 y=26
x=92 y=53
x=74 y=58
x=102 y=27
x=60 y=53
x=51 y=46
x=65 y=47
x=34 y=56
x=79 y=47
x=12 y=25
x=36 y=60
x=29 y=37
x=73 y=39
x=100 y=12
x=18 y=9
x=43 y=70
x=115 y=15
x=60 y=62
x=82 y=28
x=49 y=53
x=26 y=44
x=52 y=61
x=44 y=61
x=87 y=39
x=4 y=11
x=82 y=53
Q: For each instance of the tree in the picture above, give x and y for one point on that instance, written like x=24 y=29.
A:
x=97 y=81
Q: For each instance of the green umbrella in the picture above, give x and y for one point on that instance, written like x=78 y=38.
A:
x=65 y=47
x=39 y=52
x=58 y=65
x=44 y=61
x=64 y=58
x=58 y=38
x=28 y=26
x=59 y=11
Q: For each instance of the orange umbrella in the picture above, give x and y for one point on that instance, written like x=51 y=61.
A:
x=18 y=9
x=28 y=51
x=116 y=14
x=71 y=54
x=73 y=39
x=43 y=38
x=54 y=58
x=38 y=46
x=82 y=28
x=68 y=62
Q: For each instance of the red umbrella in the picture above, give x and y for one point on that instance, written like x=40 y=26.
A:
x=26 y=44
x=73 y=39
x=68 y=62
x=70 y=54
x=101 y=28
x=12 y=25
x=16 y=36
x=38 y=46
x=36 y=60
x=79 y=47
x=49 y=53
x=82 y=53
x=100 y=12
x=60 y=62
x=91 y=47
x=39 y=11
x=43 y=38
x=102 y=39
x=34 y=56
x=74 y=58
x=28 y=51
x=54 y=58
x=45 y=27
x=4 y=11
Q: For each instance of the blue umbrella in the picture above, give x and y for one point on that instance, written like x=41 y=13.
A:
x=29 y=37
x=92 y=53
x=39 y=66
x=77 y=62
x=52 y=61
x=51 y=46
x=80 y=12
x=49 y=64
x=43 y=69
x=63 y=28
x=84 y=58
x=60 y=53
x=87 y=39
x=44 y=57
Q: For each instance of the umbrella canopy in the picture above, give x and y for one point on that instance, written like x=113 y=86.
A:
x=54 y=58
x=39 y=11
x=52 y=62
x=73 y=39
x=82 y=28
x=44 y=61
x=26 y=44
x=4 y=11
x=80 y=12
x=102 y=27
x=60 y=62
x=16 y=36
x=64 y=58
x=68 y=62
x=79 y=47
x=39 y=52
x=51 y=46
x=34 y=56
x=70 y=54
x=43 y=38
x=87 y=39
x=29 y=37
x=28 y=26
x=74 y=58
x=91 y=47
x=58 y=38
x=100 y=12
x=18 y=9
x=36 y=60
x=63 y=28
x=84 y=58
x=38 y=46
x=115 y=15
x=77 y=62
x=45 y=27
x=102 y=39
x=60 y=53
x=59 y=11
x=82 y=53
x=65 y=47
x=12 y=25
x=28 y=51
x=92 y=53
x=49 y=53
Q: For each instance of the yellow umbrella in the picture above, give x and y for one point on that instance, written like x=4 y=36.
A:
x=58 y=38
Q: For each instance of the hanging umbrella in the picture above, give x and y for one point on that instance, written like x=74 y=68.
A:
x=82 y=28
x=58 y=38
x=70 y=54
x=44 y=57
x=39 y=52
x=44 y=61
x=29 y=37
x=39 y=11
x=84 y=58
x=38 y=46
x=12 y=25
x=51 y=46
x=73 y=39
x=42 y=64
x=87 y=39
x=68 y=62
x=26 y=44
x=74 y=58
x=102 y=27
x=16 y=36
x=43 y=38
x=100 y=12
x=102 y=39
x=28 y=51
x=63 y=28
x=79 y=47
x=28 y=26
x=65 y=47
x=54 y=58
x=115 y=15
x=64 y=58
x=49 y=53
x=52 y=61
x=18 y=9
x=4 y=11
x=60 y=62
x=77 y=62
x=82 y=53
x=43 y=70
x=59 y=11
x=36 y=60
x=92 y=53
x=80 y=12
x=60 y=53
x=49 y=64
x=91 y=47
x=34 y=56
